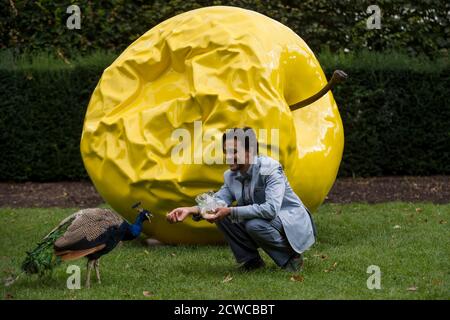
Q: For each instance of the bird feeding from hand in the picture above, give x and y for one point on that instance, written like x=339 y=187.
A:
x=89 y=233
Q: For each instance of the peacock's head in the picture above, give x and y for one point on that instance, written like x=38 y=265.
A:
x=145 y=215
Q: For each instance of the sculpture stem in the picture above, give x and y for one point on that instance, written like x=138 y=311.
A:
x=338 y=77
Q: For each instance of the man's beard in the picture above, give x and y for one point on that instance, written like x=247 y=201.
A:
x=235 y=166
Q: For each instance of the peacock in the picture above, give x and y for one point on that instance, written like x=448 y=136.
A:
x=89 y=233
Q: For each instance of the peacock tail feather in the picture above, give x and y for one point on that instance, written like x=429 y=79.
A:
x=42 y=258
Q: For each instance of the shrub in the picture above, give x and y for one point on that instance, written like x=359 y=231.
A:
x=419 y=27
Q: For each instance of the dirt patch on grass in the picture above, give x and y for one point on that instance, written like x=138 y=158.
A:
x=434 y=189
x=49 y=194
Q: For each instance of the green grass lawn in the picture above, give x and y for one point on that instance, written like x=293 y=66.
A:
x=409 y=242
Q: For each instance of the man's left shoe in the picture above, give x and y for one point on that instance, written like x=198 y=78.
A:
x=253 y=264
x=294 y=264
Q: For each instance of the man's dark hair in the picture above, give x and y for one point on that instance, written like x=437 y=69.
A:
x=247 y=133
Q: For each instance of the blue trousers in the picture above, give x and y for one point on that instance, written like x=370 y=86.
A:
x=246 y=237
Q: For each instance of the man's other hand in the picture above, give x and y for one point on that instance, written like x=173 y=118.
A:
x=219 y=214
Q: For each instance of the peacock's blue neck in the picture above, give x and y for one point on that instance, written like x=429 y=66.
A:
x=136 y=228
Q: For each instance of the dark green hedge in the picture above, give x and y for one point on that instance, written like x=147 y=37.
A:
x=396 y=123
x=394 y=109
x=41 y=118
x=420 y=26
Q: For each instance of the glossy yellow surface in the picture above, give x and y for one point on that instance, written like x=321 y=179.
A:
x=226 y=67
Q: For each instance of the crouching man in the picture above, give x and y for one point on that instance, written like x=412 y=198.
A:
x=268 y=215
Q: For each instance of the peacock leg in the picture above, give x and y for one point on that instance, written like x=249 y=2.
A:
x=90 y=264
x=97 y=269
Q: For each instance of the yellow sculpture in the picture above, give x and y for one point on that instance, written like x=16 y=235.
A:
x=204 y=71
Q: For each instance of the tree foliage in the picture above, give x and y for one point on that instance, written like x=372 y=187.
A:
x=419 y=27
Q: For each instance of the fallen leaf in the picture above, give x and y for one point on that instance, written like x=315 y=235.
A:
x=397 y=226
x=442 y=222
x=147 y=293
x=173 y=254
x=332 y=267
x=228 y=278
x=418 y=209
x=10 y=280
x=297 y=278
x=9 y=296
x=437 y=282
x=146 y=252
x=412 y=289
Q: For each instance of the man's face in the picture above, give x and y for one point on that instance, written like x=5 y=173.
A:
x=235 y=154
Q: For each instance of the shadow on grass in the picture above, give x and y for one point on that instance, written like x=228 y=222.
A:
x=339 y=235
x=32 y=282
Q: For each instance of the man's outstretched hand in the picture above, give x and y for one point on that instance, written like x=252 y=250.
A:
x=178 y=214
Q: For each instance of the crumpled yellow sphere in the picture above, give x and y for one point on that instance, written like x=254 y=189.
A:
x=221 y=67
